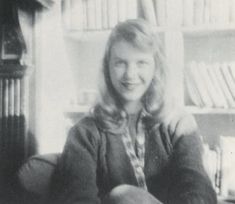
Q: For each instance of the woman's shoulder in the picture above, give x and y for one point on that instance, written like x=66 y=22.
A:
x=177 y=123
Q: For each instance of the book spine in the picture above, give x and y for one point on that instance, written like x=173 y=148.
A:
x=207 y=12
x=201 y=85
x=160 y=10
x=112 y=13
x=193 y=91
x=132 y=9
x=228 y=79
x=212 y=75
x=198 y=12
x=91 y=21
x=188 y=12
x=122 y=10
x=98 y=14
x=148 y=11
x=76 y=14
x=223 y=86
x=104 y=14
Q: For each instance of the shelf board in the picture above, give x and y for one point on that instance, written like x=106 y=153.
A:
x=208 y=30
x=198 y=110
x=89 y=35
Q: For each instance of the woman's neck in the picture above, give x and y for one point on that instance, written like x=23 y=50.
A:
x=132 y=107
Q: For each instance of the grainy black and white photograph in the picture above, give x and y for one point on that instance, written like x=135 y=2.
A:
x=117 y=101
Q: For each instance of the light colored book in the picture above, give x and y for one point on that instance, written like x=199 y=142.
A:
x=214 y=11
x=11 y=97
x=148 y=11
x=223 y=85
x=160 y=11
x=227 y=144
x=17 y=97
x=207 y=12
x=91 y=16
x=232 y=69
x=232 y=11
x=5 y=97
x=188 y=12
x=122 y=10
x=223 y=11
x=104 y=14
x=199 y=6
x=132 y=9
x=201 y=86
x=98 y=14
x=77 y=17
x=66 y=13
x=202 y=69
x=112 y=13
x=193 y=91
x=228 y=78
x=85 y=14
x=216 y=85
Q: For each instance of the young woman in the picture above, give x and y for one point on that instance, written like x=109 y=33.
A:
x=133 y=147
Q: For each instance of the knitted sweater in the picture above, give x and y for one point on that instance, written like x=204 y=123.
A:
x=94 y=161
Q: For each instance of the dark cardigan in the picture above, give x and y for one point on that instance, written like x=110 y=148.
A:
x=94 y=162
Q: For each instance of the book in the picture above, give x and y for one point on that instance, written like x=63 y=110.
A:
x=227 y=144
x=112 y=13
x=188 y=13
x=17 y=97
x=11 y=97
x=198 y=12
x=104 y=7
x=91 y=21
x=98 y=14
x=223 y=12
x=148 y=11
x=223 y=86
x=228 y=79
x=202 y=69
x=207 y=12
x=201 y=86
x=122 y=10
x=232 y=70
x=214 y=80
x=66 y=14
x=232 y=11
x=193 y=91
x=132 y=9
x=160 y=11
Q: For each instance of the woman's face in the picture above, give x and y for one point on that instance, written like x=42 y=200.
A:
x=131 y=71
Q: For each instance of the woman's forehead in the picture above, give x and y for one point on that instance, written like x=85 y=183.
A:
x=122 y=47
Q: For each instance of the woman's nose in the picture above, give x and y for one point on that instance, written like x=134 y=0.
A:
x=131 y=70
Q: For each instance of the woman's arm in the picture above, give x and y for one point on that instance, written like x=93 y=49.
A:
x=189 y=181
x=75 y=178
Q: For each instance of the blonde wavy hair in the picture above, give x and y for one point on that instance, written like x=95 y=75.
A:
x=141 y=35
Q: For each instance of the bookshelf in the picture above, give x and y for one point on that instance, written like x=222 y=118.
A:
x=198 y=32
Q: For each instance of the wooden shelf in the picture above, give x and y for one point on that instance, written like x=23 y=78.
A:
x=198 y=110
x=208 y=30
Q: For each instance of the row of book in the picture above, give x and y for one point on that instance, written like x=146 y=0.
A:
x=97 y=14
x=204 y=12
x=12 y=121
x=219 y=163
x=211 y=85
x=188 y=12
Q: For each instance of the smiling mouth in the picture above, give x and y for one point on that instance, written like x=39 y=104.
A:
x=129 y=86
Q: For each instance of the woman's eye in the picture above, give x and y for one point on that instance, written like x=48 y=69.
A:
x=142 y=63
x=120 y=64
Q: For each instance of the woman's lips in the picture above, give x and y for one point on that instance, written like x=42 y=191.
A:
x=130 y=85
